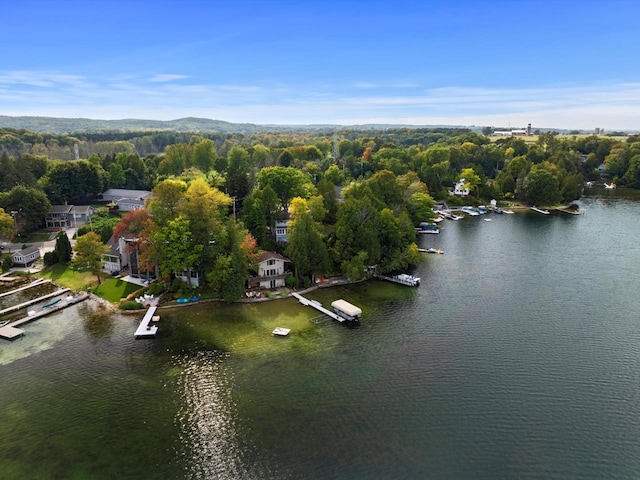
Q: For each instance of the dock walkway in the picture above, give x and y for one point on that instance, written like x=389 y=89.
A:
x=35 y=300
x=40 y=281
x=10 y=331
x=318 y=306
x=145 y=330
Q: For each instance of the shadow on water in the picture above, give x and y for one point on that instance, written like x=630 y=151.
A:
x=97 y=320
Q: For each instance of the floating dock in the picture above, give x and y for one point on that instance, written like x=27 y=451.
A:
x=145 y=329
x=431 y=250
x=281 y=332
x=10 y=331
x=341 y=315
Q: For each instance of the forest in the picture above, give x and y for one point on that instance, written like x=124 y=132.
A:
x=352 y=198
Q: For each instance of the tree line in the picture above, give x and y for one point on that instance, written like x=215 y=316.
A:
x=352 y=198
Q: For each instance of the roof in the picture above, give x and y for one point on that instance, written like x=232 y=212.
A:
x=27 y=251
x=271 y=255
x=346 y=307
x=80 y=208
x=60 y=208
x=124 y=193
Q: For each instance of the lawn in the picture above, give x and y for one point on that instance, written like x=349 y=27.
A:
x=64 y=276
x=113 y=289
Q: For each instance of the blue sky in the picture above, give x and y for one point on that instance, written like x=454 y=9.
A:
x=556 y=64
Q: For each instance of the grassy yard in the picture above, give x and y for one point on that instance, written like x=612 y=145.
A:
x=66 y=277
x=113 y=289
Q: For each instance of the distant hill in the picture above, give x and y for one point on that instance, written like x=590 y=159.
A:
x=191 y=124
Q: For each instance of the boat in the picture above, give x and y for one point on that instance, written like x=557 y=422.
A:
x=281 y=332
x=426 y=227
x=407 y=279
x=482 y=209
x=470 y=211
x=609 y=186
x=487 y=219
x=346 y=310
x=51 y=303
x=434 y=250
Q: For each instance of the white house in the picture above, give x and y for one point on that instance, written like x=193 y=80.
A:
x=459 y=190
x=272 y=271
x=282 y=231
x=26 y=257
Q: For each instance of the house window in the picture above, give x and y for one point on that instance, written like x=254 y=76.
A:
x=281 y=231
x=271 y=262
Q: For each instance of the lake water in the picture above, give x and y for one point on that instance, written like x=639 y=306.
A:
x=517 y=357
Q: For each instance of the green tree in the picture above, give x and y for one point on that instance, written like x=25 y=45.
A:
x=237 y=183
x=67 y=181
x=31 y=206
x=542 y=187
x=305 y=248
x=286 y=182
x=204 y=155
x=6 y=224
x=117 y=177
x=471 y=180
x=89 y=250
x=63 y=248
x=174 y=248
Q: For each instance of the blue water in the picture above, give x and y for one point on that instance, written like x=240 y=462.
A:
x=517 y=357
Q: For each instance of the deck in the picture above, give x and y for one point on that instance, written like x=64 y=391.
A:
x=145 y=330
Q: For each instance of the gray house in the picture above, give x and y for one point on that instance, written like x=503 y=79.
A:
x=126 y=200
x=26 y=257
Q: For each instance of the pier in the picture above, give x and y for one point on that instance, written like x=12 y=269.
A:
x=35 y=300
x=10 y=330
x=145 y=330
x=569 y=211
x=539 y=210
x=40 y=281
x=318 y=306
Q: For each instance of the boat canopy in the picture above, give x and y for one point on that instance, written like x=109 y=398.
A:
x=346 y=308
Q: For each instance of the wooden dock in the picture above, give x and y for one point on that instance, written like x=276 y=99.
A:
x=40 y=281
x=35 y=300
x=10 y=331
x=318 y=306
x=569 y=211
x=539 y=210
x=402 y=279
x=145 y=330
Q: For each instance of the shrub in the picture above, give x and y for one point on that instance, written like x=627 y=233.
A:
x=7 y=263
x=130 y=305
x=50 y=258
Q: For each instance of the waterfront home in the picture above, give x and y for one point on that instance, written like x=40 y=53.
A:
x=65 y=216
x=272 y=271
x=459 y=189
x=126 y=200
x=282 y=231
x=26 y=257
x=124 y=254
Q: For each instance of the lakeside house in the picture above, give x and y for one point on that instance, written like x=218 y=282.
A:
x=26 y=257
x=124 y=254
x=459 y=189
x=67 y=216
x=126 y=200
x=272 y=271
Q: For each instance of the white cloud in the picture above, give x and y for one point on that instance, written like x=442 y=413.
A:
x=611 y=106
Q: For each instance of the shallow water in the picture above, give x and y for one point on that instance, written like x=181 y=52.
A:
x=517 y=357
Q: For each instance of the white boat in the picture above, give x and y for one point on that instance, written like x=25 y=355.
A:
x=470 y=211
x=487 y=219
x=609 y=186
x=346 y=310
x=407 y=279
x=281 y=332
